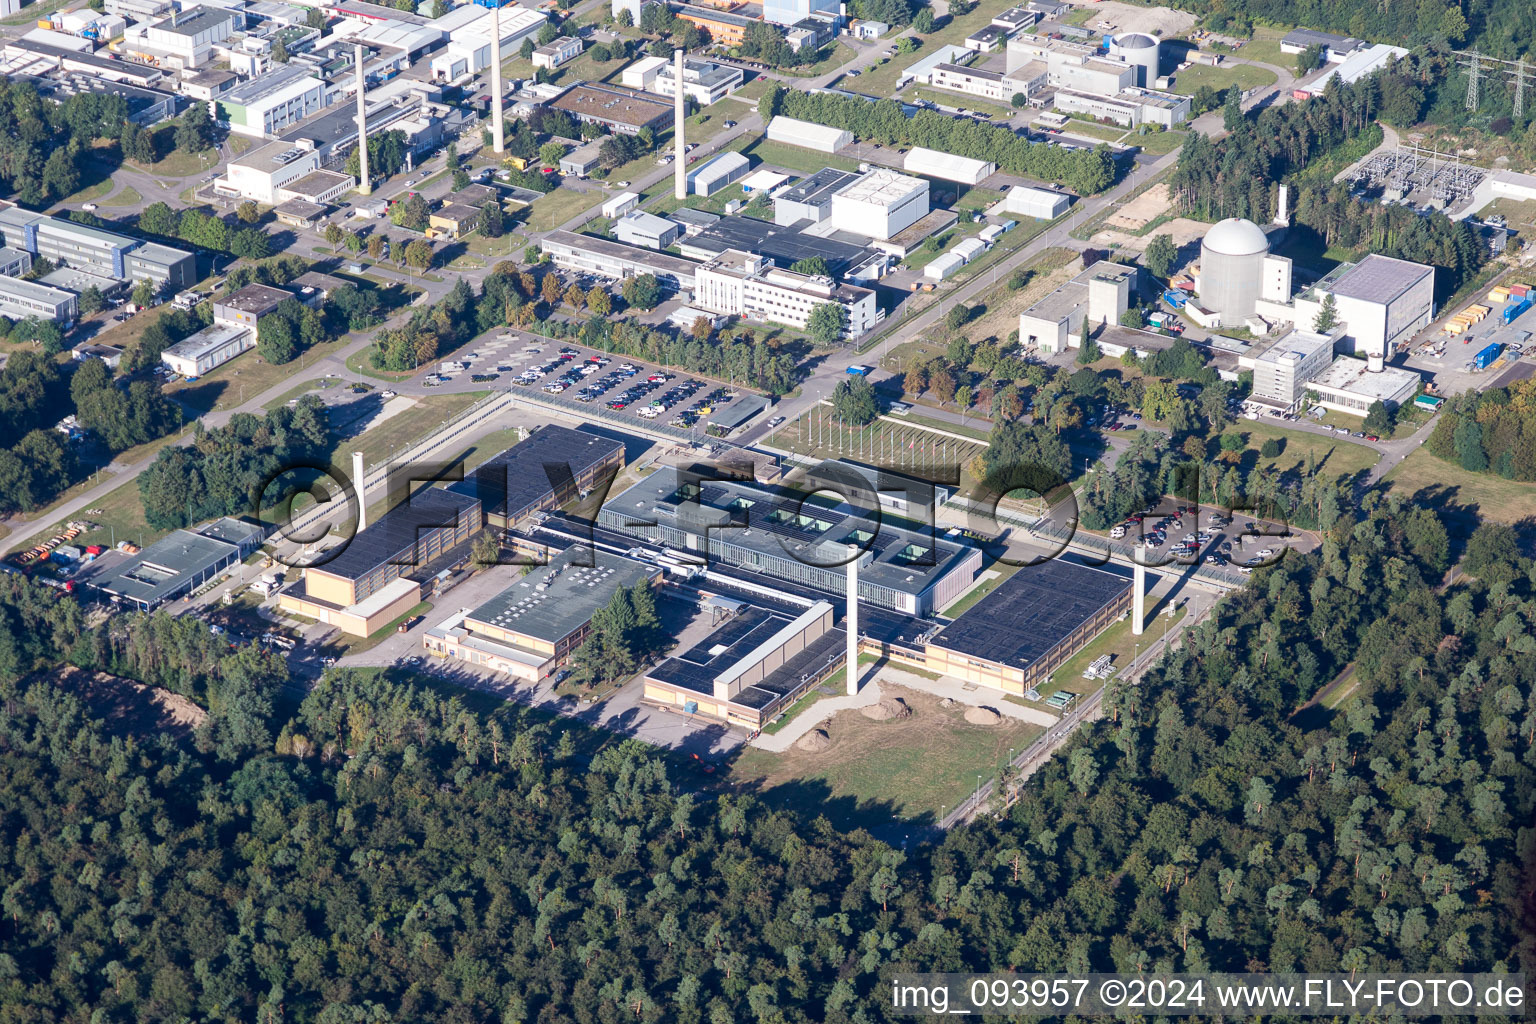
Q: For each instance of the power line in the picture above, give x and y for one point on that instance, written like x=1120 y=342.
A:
x=1519 y=74
x=1474 y=69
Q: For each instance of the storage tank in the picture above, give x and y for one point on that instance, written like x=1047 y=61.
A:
x=1231 y=268
x=1142 y=52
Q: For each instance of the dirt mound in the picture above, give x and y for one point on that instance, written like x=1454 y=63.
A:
x=887 y=709
x=983 y=716
x=814 y=741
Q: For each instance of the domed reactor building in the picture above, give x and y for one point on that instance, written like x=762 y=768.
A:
x=1238 y=273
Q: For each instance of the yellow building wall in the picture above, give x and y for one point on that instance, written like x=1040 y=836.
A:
x=325 y=587
x=720 y=32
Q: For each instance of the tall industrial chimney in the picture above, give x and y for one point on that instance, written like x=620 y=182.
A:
x=851 y=617
x=679 y=144
x=364 y=185
x=498 y=140
x=1283 y=213
x=357 y=488
x=1139 y=590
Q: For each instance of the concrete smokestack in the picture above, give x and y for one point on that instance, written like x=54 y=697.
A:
x=1138 y=590
x=364 y=185
x=1283 y=213
x=679 y=144
x=357 y=489
x=498 y=141
x=851 y=617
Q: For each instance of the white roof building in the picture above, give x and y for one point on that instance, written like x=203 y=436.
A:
x=880 y=203
x=714 y=175
x=621 y=204
x=934 y=164
x=808 y=135
x=1040 y=203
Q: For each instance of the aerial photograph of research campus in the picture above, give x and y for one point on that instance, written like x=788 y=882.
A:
x=767 y=511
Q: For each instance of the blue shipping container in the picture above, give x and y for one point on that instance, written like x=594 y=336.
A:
x=1514 y=309
x=1175 y=298
x=1485 y=358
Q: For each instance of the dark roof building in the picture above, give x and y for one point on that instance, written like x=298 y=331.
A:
x=615 y=107
x=553 y=466
x=1031 y=623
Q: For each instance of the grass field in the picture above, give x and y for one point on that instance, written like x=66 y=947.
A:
x=1094 y=130
x=90 y=192
x=128 y=197
x=959 y=100
x=1335 y=456
x=818 y=435
x=121 y=518
x=1494 y=498
x=776 y=154
x=1119 y=643
x=1265 y=47
x=1245 y=75
x=555 y=208
x=246 y=376
x=404 y=428
x=910 y=769
x=1158 y=143
x=180 y=165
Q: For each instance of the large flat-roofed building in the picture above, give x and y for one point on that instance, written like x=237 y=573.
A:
x=646 y=229
x=845 y=256
x=20 y=299
x=468 y=28
x=796 y=536
x=173 y=566
x=808 y=134
x=212 y=346
x=724 y=27
x=1100 y=294
x=1381 y=300
x=552 y=466
x=146 y=106
x=1029 y=625
x=743 y=284
x=273 y=102
x=1350 y=385
x=378 y=575
x=265 y=170
x=248 y=305
x=703 y=80
x=1335 y=48
x=527 y=630
x=1281 y=373
x=616 y=260
x=810 y=198
x=99 y=252
x=621 y=110
x=1129 y=107
x=756 y=664
x=185 y=39
x=879 y=203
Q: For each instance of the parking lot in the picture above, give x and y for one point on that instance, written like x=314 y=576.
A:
x=1192 y=535
x=618 y=383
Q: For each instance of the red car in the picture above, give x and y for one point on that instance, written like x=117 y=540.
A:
x=1372 y=437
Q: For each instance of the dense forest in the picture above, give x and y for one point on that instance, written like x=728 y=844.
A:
x=1240 y=175
x=387 y=853
x=1501 y=28
x=1084 y=171
x=1492 y=431
x=222 y=472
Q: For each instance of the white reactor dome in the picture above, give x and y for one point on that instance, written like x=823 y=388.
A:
x=1236 y=236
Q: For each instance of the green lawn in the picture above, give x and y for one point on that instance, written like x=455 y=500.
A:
x=1245 y=75
x=1265 y=47
x=246 y=376
x=409 y=426
x=128 y=197
x=1094 y=130
x=806 y=161
x=960 y=100
x=1334 y=456
x=1505 y=501
x=180 y=165
x=1158 y=143
x=91 y=192
x=121 y=518
x=555 y=208
x=1117 y=641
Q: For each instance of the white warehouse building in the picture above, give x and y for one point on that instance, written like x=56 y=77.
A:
x=934 y=164
x=713 y=175
x=468 y=28
x=704 y=81
x=880 y=203
x=1039 y=203
x=808 y=135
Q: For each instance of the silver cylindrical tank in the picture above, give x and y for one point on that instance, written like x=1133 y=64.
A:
x=1232 y=268
x=1142 y=52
